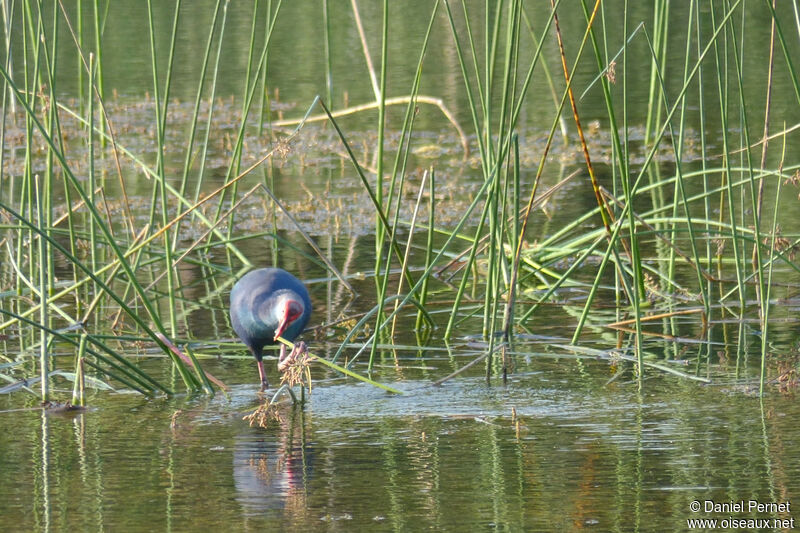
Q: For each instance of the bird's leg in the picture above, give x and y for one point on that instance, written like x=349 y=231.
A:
x=262 y=375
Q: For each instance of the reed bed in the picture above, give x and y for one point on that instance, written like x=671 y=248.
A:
x=107 y=240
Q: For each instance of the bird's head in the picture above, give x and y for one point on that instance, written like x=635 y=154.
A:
x=289 y=310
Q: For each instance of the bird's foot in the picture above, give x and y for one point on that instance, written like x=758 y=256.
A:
x=264 y=385
x=285 y=361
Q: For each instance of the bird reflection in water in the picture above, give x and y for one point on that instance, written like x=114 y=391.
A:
x=271 y=468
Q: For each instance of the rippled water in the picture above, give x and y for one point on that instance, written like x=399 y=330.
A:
x=585 y=454
x=586 y=449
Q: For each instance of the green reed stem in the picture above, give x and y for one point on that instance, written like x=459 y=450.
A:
x=483 y=135
x=265 y=113
x=508 y=314
x=768 y=289
x=399 y=172
x=379 y=229
x=381 y=233
x=249 y=90
x=161 y=121
x=671 y=110
x=189 y=157
x=326 y=42
x=96 y=217
x=92 y=174
x=423 y=296
x=175 y=194
x=44 y=361
x=131 y=372
x=367 y=187
x=7 y=9
x=98 y=33
x=758 y=264
x=707 y=208
x=412 y=228
x=720 y=57
x=78 y=387
x=201 y=375
x=247 y=99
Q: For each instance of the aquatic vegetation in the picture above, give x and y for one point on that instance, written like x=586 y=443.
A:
x=566 y=166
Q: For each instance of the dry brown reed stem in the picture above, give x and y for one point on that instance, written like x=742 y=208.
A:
x=408 y=244
x=114 y=270
x=664 y=336
x=174 y=349
x=529 y=207
x=397 y=100
x=281 y=146
x=367 y=56
x=605 y=211
x=655 y=317
x=214 y=193
x=80 y=203
x=115 y=264
x=763 y=141
x=760 y=199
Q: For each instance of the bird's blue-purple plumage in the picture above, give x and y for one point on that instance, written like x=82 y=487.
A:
x=254 y=300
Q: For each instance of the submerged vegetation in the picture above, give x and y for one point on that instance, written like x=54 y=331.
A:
x=122 y=215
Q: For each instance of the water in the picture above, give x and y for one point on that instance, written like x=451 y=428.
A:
x=586 y=451
x=445 y=458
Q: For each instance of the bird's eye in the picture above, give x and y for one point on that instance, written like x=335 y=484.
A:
x=294 y=311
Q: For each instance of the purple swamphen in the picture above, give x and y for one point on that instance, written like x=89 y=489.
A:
x=266 y=304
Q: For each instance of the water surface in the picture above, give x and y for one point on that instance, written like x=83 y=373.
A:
x=586 y=450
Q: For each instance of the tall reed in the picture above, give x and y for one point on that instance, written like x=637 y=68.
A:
x=670 y=227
